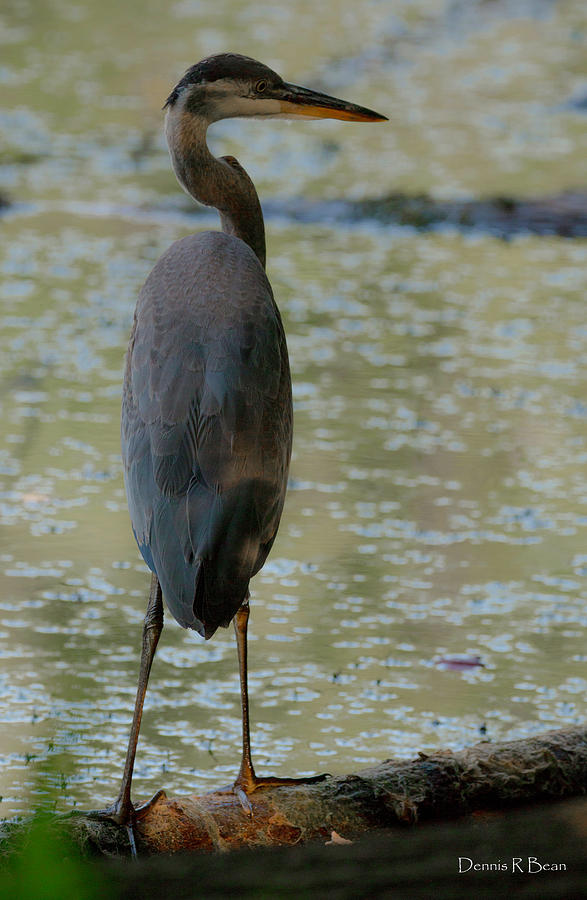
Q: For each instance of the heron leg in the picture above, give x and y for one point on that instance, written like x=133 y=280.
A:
x=246 y=778
x=247 y=781
x=122 y=811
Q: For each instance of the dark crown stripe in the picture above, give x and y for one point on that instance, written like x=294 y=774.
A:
x=223 y=65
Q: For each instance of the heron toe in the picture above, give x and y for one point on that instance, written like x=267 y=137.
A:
x=124 y=814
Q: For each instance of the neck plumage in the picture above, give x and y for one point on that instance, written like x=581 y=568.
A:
x=222 y=183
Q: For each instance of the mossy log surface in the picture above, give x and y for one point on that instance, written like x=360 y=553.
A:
x=433 y=786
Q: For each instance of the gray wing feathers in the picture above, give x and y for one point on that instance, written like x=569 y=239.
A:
x=206 y=425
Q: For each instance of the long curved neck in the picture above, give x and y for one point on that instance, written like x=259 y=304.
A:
x=222 y=183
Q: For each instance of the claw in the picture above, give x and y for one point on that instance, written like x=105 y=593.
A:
x=243 y=800
x=131 y=840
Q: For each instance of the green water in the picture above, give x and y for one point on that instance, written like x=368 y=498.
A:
x=438 y=504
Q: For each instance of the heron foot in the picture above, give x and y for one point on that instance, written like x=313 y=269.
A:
x=123 y=813
x=249 y=783
x=242 y=790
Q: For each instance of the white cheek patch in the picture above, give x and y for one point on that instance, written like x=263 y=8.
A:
x=232 y=107
x=223 y=99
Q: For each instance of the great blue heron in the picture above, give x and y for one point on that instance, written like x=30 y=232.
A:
x=207 y=409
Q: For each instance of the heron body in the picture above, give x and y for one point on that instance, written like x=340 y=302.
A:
x=207 y=408
x=206 y=425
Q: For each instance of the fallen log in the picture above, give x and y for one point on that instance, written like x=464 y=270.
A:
x=533 y=852
x=434 y=786
x=516 y=853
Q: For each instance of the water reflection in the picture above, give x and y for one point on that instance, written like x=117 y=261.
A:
x=437 y=507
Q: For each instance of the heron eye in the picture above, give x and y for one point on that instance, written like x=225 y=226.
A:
x=260 y=86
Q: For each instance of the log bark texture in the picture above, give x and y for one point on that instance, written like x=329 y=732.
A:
x=434 y=786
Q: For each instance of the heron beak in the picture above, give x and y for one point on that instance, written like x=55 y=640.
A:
x=295 y=101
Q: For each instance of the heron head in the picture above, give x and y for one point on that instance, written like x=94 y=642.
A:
x=230 y=85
